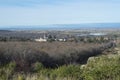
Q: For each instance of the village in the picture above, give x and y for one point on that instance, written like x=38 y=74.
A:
x=58 y=36
x=91 y=37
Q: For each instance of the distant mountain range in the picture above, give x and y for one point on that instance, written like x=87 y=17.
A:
x=5 y=31
x=64 y=26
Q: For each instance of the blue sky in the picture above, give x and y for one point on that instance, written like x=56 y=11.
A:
x=43 y=12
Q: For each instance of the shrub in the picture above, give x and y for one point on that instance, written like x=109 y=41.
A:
x=7 y=71
x=67 y=71
x=37 y=67
x=103 y=68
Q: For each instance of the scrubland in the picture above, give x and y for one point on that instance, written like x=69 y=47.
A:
x=58 y=61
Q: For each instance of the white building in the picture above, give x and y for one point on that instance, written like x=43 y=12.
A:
x=41 y=40
x=62 y=40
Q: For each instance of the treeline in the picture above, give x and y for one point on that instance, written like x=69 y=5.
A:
x=7 y=39
x=26 y=54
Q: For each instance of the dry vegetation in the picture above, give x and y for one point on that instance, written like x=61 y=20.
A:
x=52 y=55
x=56 y=61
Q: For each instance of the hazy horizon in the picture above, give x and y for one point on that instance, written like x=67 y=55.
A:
x=63 y=26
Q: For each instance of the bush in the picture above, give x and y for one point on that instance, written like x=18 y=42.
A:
x=37 y=67
x=102 y=68
x=7 y=71
x=70 y=71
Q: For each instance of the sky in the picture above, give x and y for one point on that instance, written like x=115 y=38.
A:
x=44 y=12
